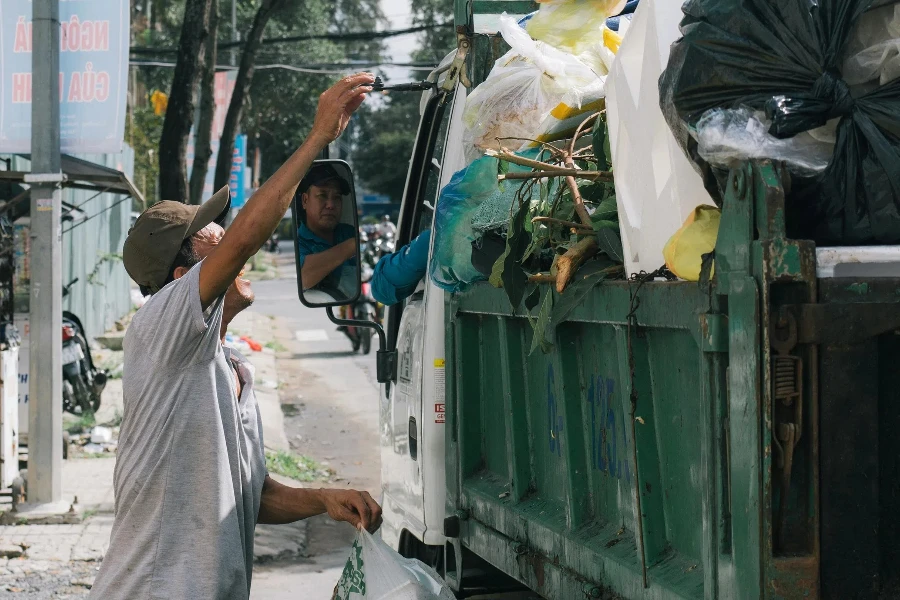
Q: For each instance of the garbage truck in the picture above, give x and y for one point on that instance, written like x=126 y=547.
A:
x=733 y=439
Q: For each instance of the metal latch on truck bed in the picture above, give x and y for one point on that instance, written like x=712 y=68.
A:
x=787 y=397
x=458 y=66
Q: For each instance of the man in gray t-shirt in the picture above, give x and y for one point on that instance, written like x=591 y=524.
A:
x=190 y=479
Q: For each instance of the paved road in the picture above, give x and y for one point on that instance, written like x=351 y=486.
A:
x=330 y=400
x=329 y=396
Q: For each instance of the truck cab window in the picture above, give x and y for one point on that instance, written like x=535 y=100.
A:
x=428 y=198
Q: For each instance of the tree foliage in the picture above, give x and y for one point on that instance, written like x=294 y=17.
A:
x=389 y=130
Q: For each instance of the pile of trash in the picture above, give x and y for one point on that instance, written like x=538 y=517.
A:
x=100 y=440
x=535 y=210
x=812 y=85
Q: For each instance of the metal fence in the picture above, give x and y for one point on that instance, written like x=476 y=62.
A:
x=92 y=250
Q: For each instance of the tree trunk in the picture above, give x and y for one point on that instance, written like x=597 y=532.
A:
x=180 y=112
x=203 y=141
x=242 y=90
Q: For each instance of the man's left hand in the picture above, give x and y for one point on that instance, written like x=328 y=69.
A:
x=357 y=508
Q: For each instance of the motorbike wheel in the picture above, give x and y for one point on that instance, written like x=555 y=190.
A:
x=69 y=402
x=83 y=396
x=95 y=402
x=366 y=342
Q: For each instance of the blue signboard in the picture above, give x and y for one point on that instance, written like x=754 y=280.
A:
x=236 y=179
x=376 y=199
x=93 y=78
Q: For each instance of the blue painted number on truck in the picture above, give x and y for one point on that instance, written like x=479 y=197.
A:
x=606 y=429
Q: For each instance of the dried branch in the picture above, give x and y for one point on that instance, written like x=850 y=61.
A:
x=547 y=145
x=578 y=132
x=568 y=263
x=542 y=278
x=511 y=157
x=559 y=172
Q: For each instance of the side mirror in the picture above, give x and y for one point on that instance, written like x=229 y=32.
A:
x=326 y=236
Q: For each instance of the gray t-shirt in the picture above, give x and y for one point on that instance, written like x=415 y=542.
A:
x=191 y=463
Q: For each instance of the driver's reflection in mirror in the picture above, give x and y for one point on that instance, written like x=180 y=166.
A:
x=327 y=247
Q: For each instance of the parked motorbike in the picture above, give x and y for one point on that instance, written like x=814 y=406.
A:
x=366 y=308
x=83 y=383
x=272 y=245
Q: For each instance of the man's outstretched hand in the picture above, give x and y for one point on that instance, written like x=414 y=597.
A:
x=357 y=508
x=338 y=103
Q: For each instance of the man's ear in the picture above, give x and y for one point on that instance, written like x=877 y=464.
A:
x=180 y=272
x=303 y=198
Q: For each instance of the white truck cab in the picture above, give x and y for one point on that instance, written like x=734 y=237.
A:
x=412 y=407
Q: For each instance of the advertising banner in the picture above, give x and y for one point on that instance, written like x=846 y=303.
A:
x=93 y=78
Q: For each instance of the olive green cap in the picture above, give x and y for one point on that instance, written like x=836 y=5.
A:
x=155 y=239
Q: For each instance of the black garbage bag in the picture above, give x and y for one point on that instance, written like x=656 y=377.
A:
x=783 y=57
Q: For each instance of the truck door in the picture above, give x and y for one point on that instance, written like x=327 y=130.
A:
x=411 y=407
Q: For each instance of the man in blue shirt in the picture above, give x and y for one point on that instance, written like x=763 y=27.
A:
x=327 y=247
x=397 y=275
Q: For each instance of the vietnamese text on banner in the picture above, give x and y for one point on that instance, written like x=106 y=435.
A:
x=93 y=78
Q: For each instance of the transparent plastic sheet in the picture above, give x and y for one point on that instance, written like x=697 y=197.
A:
x=376 y=572
x=873 y=52
x=783 y=57
x=725 y=137
x=525 y=85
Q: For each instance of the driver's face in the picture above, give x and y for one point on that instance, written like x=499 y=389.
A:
x=323 y=205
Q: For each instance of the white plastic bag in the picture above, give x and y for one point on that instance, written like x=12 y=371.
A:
x=727 y=136
x=375 y=572
x=522 y=90
x=873 y=51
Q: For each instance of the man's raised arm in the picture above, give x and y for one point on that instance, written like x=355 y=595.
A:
x=265 y=209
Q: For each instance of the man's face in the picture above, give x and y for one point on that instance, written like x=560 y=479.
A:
x=240 y=294
x=323 y=205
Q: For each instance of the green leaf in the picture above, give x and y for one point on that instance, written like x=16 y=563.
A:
x=513 y=275
x=601 y=143
x=574 y=295
x=543 y=320
x=604 y=224
x=593 y=192
x=607 y=210
x=532 y=299
x=565 y=210
x=611 y=243
x=496 y=278
x=538 y=241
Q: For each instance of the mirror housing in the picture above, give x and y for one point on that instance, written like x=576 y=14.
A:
x=325 y=226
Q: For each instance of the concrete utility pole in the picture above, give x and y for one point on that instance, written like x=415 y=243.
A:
x=45 y=384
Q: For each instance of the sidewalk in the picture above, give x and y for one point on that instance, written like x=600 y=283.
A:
x=53 y=561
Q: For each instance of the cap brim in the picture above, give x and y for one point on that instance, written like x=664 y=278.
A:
x=214 y=210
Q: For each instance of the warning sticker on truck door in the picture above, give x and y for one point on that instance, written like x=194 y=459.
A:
x=439 y=406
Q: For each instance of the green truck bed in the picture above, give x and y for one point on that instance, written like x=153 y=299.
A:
x=730 y=440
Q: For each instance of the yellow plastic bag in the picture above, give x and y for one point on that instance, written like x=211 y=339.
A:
x=572 y=25
x=685 y=249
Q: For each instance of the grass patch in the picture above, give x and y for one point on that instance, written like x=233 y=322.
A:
x=97 y=455
x=83 y=423
x=299 y=468
x=276 y=346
